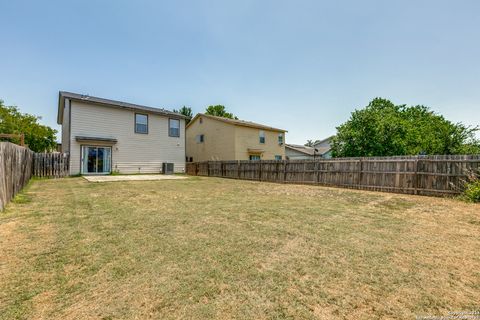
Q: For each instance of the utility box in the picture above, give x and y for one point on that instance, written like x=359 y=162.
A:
x=167 y=168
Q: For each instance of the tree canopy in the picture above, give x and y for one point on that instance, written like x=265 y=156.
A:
x=186 y=111
x=219 y=111
x=38 y=137
x=385 y=129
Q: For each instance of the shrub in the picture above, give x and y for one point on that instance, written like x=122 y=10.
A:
x=471 y=192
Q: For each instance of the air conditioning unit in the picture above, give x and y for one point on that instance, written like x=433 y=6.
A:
x=167 y=168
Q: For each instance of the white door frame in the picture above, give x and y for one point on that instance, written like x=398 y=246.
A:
x=82 y=159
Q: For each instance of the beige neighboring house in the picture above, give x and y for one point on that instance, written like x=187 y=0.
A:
x=104 y=136
x=217 y=138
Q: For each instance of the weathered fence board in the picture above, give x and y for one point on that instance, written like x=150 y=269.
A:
x=51 y=165
x=15 y=170
x=18 y=164
x=423 y=175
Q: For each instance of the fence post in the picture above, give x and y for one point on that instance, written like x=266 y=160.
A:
x=238 y=169
x=285 y=163
x=415 y=177
x=304 y=171
x=360 y=172
x=260 y=171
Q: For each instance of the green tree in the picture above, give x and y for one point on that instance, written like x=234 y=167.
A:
x=38 y=137
x=186 y=111
x=219 y=111
x=385 y=129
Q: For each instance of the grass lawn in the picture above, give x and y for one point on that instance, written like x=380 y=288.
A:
x=217 y=248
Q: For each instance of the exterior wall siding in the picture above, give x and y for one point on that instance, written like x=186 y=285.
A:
x=219 y=141
x=323 y=145
x=224 y=141
x=133 y=152
x=248 y=138
x=295 y=155
x=66 y=127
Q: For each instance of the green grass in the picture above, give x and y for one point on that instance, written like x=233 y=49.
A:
x=218 y=248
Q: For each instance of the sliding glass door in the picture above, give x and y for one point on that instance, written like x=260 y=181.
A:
x=96 y=160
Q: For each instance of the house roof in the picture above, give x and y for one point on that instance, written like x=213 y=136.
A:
x=323 y=150
x=326 y=139
x=299 y=148
x=62 y=95
x=236 y=122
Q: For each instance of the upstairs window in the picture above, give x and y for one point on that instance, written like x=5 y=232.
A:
x=280 y=138
x=174 y=127
x=262 y=136
x=200 y=138
x=141 y=123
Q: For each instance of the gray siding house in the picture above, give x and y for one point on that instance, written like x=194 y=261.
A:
x=298 y=152
x=104 y=136
x=323 y=147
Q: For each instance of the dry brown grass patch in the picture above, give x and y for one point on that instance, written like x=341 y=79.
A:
x=218 y=248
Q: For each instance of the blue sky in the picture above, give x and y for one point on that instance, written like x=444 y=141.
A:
x=299 y=65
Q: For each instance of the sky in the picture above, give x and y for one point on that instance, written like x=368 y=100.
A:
x=301 y=65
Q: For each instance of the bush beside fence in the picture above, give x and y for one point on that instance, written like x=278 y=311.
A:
x=15 y=170
x=423 y=175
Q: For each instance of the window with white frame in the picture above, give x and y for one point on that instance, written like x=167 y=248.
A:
x=141 y=123
x=174 y=127
x=200 y=138
x=262 y=136
x=280 y=138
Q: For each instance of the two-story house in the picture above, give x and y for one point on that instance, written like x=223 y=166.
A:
x=104 y=136
x=216 y=138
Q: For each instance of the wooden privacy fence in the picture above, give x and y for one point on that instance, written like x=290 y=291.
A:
x=423 y=175
x=15 y=170
x=18 y=164
x=51 y=165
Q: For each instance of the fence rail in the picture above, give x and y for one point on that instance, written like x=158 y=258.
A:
x=423 y=175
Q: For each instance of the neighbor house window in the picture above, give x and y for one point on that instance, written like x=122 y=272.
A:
x=141 y=123
x=174 y=127
x=262 y=136
x=254 y=157
x=280 y=138
x=278 y=157
x=200 y=138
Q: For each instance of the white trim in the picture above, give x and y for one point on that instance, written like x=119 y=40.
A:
x=82 y=159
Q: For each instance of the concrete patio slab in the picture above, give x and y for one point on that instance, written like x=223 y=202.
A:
x=140 y=177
